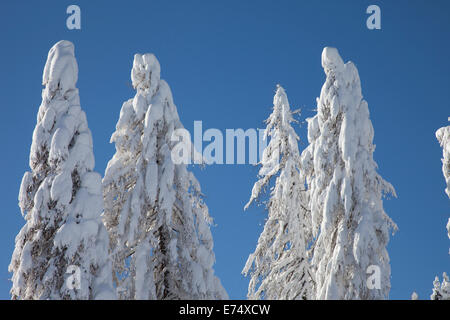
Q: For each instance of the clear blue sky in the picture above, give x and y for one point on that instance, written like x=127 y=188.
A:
x=223 y=60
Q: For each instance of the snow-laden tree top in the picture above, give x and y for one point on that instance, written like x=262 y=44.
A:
x=61 y=197
x=145 y=74
x=283 y=143
x=154 y=209
x=441 y=291
x=331 y=60
x=345 y=189
x=443 y=136
x=61 y=68
x=279 y=267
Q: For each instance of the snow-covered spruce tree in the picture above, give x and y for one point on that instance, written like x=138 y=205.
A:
x=441 y=291
x=154 y=212
x=279 y=267
x=443 y=136
x=345 y=190
x=61 y=198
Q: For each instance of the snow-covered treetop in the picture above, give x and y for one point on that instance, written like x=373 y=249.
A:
x=61 y=197
x=61 y=68
x=441 y=291
x=443 y=136
x=154 y=209
x=331 y=60
x=343 y=119
x=345 y=189
x=145 y=74
x=284 y=141
x=279 y=265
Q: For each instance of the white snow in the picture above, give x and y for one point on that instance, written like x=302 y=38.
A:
x=61 y=68
x=441 y=291
x=443 y=136
x=61 y=197
x=154 y=212
x=279 y=267
x=345 y=191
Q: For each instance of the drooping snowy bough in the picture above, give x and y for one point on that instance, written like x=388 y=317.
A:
x=62 y=251
x=346 y=191
x=154 y=212
x=279 y=267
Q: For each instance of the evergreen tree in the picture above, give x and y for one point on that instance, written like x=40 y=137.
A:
x=279 y=267
x=61 y=198
x=345 y=191
x=443 y=136
x=154 y=211
x=441 y=291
